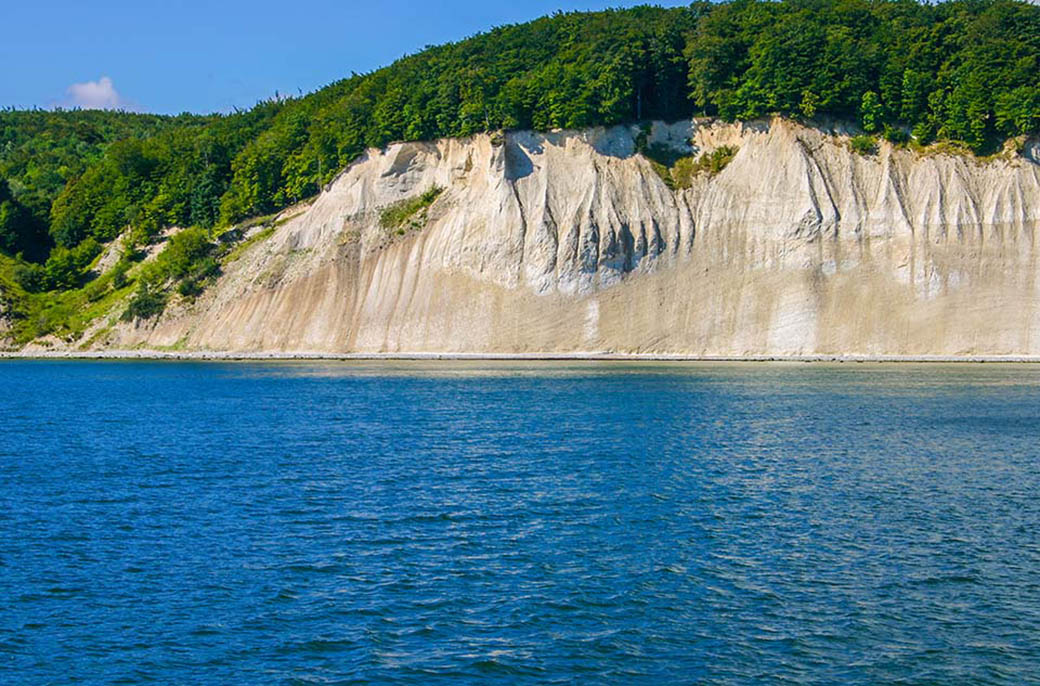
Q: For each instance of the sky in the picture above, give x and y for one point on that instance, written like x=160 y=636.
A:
x=177 y=56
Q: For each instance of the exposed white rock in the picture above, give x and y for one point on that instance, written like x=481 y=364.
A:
x=569 y=241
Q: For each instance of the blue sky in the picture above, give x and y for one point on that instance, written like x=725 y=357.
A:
x=191 y=55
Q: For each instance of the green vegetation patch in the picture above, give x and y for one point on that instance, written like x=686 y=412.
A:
x=190 y=261
x=409 y=213
x=709 y=163
x=678 y=171
x=239 y=249
x=187 y=264
x=43 y=151
x=148 y=301
x=64 y=269
x=63 y=313
x=863 y=144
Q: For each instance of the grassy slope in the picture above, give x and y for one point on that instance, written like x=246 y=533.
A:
x=65 y=314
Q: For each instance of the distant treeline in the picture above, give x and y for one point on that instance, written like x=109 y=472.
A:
x=965 y=70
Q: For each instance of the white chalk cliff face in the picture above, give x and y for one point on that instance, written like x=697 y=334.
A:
x=570 y=242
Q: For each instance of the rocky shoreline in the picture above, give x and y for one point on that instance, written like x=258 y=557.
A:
x=219 y=356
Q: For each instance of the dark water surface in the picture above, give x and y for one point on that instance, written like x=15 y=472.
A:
x=464 y=523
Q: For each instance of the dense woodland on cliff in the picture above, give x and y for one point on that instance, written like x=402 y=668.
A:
x=965 y=71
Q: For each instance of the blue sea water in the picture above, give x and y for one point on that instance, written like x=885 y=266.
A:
x=507 y=523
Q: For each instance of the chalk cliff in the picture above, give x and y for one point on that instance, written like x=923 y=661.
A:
x=570 y=241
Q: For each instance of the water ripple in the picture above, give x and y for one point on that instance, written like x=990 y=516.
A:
x=474 y=523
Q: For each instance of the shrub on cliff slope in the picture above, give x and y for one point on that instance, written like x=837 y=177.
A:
x=400 y=213
x=863 y=145
x=147 y=302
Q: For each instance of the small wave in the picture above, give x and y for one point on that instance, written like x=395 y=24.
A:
x=492 y=666
x=314 y=568
x=673 y=569
x=64 y=592
x=324 y=645
x=285 y=595
x=947 y=579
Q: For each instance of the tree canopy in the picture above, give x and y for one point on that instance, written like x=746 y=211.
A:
x=964 y=70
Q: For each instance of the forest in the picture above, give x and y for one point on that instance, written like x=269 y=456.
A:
x=966 y=71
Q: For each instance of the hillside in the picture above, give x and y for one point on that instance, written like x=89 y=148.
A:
x=958 y=76
x=575 y=242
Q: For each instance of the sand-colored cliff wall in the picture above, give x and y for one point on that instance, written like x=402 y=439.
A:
x=570 y=242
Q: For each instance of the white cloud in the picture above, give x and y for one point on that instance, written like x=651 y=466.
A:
x=96 y=95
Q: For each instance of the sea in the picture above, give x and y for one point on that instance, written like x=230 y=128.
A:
x=469 y=522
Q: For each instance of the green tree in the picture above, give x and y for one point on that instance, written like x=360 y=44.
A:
x=16 y=223
x=870 y=112
x=1018 y=111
